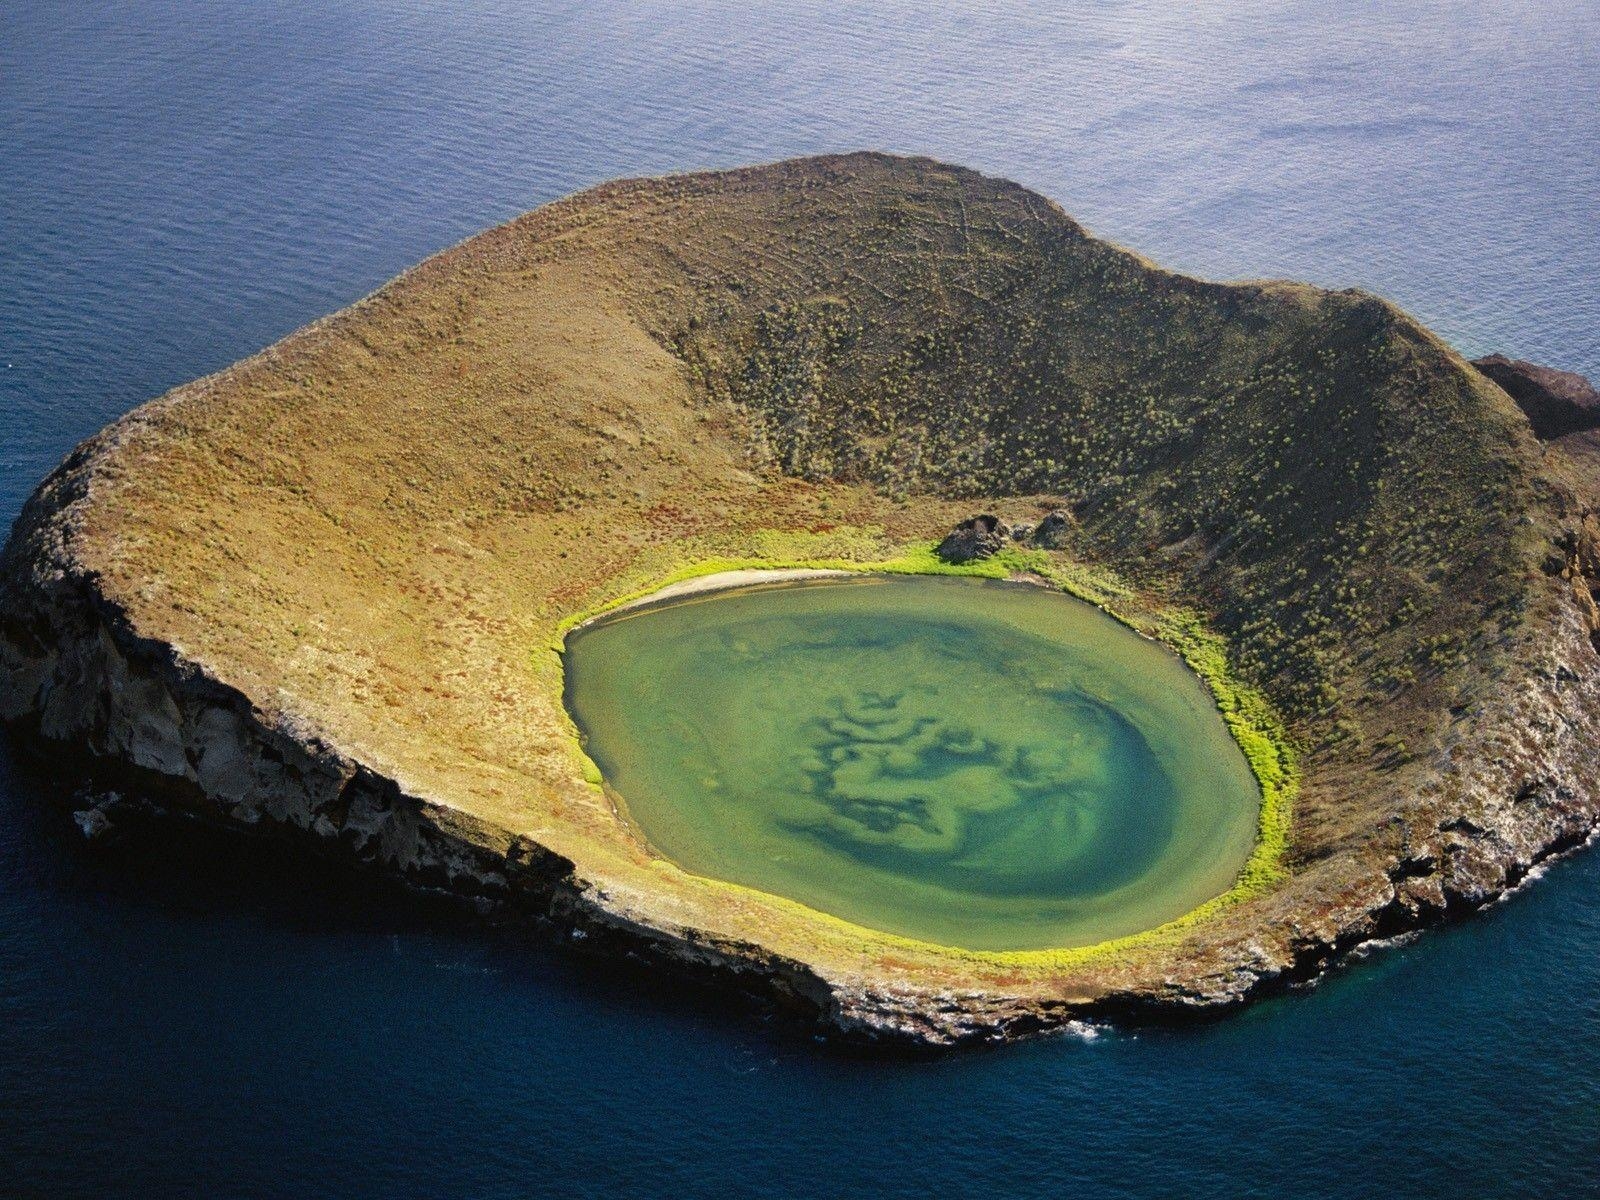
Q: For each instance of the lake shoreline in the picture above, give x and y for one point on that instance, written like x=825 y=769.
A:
x=1042 y=778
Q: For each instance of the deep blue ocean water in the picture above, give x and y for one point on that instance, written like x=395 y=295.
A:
x=182 y=183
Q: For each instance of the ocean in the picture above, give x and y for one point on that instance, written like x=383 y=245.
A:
x=182 y=183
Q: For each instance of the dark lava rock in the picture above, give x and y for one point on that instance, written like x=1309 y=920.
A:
x=1051 y=533
x=976 y=537
x=1556 y=402
x=96 y=822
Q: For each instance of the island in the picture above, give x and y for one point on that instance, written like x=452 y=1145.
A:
x=326 y=593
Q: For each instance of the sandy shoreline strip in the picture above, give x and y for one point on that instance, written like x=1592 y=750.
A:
x=747 y=576
x=723 y=580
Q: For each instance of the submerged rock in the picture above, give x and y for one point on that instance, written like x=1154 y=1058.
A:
x=977 y=537
x=1556 y=402
x=95 y=822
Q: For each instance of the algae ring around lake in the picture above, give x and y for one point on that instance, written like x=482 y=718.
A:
x=966 y=762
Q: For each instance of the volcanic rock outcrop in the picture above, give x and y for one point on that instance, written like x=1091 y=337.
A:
x=1556 y=402
x=982 y=536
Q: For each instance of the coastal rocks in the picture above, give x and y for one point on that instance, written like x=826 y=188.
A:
x=95 y=822
x=977 y=537
x=1556 y=402
x=106 y=816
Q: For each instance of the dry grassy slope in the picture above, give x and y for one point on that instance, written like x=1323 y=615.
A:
x=376 y=523
x=1336 y=481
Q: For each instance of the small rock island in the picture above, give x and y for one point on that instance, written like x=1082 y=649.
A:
x=324 y=594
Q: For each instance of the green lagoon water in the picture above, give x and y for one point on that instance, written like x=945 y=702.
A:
x=978 y=764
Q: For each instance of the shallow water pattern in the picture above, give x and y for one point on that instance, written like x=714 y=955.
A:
x=972 y=763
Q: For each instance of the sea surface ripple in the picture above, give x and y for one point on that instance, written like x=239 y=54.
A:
x=182 y=183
